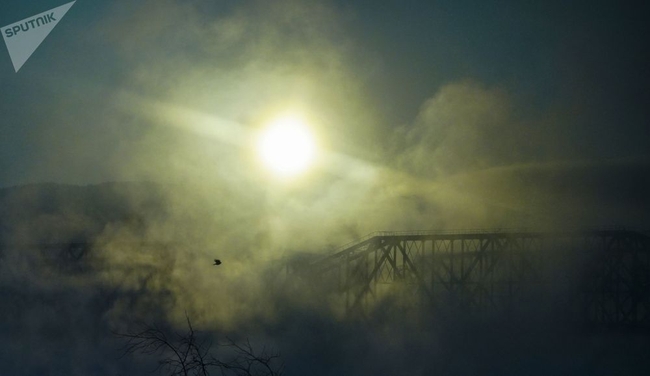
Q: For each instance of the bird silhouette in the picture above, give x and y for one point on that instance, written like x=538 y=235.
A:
x=217 y=262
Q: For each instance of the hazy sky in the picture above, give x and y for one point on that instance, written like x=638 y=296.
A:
x=573 y=75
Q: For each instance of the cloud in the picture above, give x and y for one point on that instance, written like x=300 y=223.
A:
x=469 y=159
x=465 y=126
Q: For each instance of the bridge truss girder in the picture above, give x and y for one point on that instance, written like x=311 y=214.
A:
x=600 y=277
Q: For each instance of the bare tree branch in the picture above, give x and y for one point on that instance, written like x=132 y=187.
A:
x=187 y=355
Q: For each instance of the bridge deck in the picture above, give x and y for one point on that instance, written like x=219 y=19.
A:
x=601 y=276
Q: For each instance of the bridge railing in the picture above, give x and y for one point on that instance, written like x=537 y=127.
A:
x=341 y=250
x=344 y=249
x=464 y=231
x=426 y=232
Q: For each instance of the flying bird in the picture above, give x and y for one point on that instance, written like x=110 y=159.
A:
x=217 y=262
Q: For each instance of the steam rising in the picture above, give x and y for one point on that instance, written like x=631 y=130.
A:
x=183 y=119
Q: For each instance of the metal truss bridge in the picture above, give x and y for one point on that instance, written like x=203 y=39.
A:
x=594 y=277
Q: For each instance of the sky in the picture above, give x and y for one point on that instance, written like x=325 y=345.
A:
x=434 y=92
x=573 y=75
x=142 y=119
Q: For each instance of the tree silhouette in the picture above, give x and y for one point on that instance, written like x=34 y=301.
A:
x=188 y=355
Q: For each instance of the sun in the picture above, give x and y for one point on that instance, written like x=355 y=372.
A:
x=286 y=146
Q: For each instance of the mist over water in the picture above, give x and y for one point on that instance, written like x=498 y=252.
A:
x=145 y=127
x=151 y=261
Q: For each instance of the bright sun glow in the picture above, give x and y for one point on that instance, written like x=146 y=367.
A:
x=286 y=146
